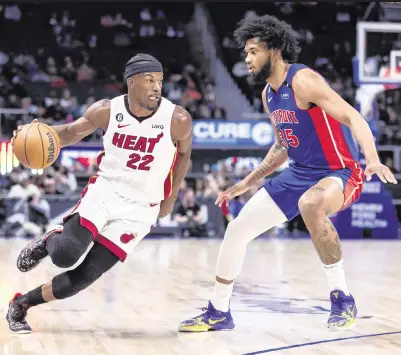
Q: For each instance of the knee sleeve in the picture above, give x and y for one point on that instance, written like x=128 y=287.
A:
x=71 y=282
x=232 y=251
x=259 y=214
x=67 y=247
x=98 y=261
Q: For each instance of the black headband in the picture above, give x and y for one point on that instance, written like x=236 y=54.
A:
x=142 y=64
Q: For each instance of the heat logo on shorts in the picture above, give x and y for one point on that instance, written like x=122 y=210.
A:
x=127 y=237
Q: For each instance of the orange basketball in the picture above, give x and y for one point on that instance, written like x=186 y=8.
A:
x=37 y=145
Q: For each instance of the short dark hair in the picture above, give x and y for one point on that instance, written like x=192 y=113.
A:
x=274 y=33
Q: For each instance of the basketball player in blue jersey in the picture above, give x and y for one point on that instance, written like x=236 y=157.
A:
x=314 y=128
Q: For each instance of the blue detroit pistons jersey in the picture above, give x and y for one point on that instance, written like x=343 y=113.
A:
x=313 y=138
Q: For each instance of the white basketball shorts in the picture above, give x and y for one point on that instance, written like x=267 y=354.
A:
x=116 y=222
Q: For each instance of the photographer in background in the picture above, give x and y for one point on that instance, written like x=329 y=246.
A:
x=28 y=213
x=189 y=216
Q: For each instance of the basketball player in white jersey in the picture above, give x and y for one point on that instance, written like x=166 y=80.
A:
x=147 y=148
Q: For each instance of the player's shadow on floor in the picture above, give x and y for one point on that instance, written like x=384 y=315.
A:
x=113 y=333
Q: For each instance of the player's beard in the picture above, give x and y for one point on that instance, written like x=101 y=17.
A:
x=150 y=106
x=263 y=74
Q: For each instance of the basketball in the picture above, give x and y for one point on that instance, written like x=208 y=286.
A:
x=37 y=145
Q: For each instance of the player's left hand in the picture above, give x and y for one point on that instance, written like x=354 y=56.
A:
x=166 y=206
x=238 y=189
x=382 y=171
x=15 y=132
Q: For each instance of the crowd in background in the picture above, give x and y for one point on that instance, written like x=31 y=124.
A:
x=184 y=84
x=327 y=40
x=72 y=80
x=31 y=190
x=24 y=210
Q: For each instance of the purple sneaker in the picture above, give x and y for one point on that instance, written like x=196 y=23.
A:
x=343 y=311
x=212 y=319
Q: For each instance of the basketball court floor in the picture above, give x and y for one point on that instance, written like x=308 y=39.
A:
x=280 y=304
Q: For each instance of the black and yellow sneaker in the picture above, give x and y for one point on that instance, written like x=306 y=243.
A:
x=211 y=319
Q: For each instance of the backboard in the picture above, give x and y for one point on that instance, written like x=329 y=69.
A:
x=378 y=57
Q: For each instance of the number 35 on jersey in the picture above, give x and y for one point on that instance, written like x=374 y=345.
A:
x=288 y=138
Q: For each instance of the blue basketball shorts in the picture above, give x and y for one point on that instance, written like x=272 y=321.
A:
x=287 y=188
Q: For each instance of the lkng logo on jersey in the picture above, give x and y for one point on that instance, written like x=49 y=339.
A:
x=157 y=126
x=285 y=96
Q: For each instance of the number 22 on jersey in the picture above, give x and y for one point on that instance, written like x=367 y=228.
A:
x=136 y=162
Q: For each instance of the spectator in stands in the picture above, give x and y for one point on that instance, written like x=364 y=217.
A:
x=55 y=113
x=73 y=110
x=174 y=92
x=186 y=84
x=199 y=188
x=69 y=72
x=89 y=101
x=190 y=94
x=203 y=111
x=30 y=213
x=85 y=73
x=189 y=216
x=216 y=181
x=51 y=69
x=65 y=180
x=66 y=99
x=219 y=113
x=203 y=189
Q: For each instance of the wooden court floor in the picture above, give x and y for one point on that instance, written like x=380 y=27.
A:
x=280 y=303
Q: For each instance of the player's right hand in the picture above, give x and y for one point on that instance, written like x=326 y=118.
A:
x=15 y=132
x=229 y=194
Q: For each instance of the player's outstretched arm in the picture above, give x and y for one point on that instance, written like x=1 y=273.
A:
x=310 y=87
x=181 y=134
x=96 y=116
x=276 y=156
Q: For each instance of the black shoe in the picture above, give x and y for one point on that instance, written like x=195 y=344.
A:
x=35 y=251
x=15 y=316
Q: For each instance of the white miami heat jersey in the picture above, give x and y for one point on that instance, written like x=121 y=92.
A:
x=139 y=156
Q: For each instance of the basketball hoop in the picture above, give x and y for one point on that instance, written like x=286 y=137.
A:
x=386 y=72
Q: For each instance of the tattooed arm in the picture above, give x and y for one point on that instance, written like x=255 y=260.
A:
x=181 y=134
x=276 y=156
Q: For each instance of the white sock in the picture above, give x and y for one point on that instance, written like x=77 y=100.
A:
x=336 y=277
x=221 y=296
